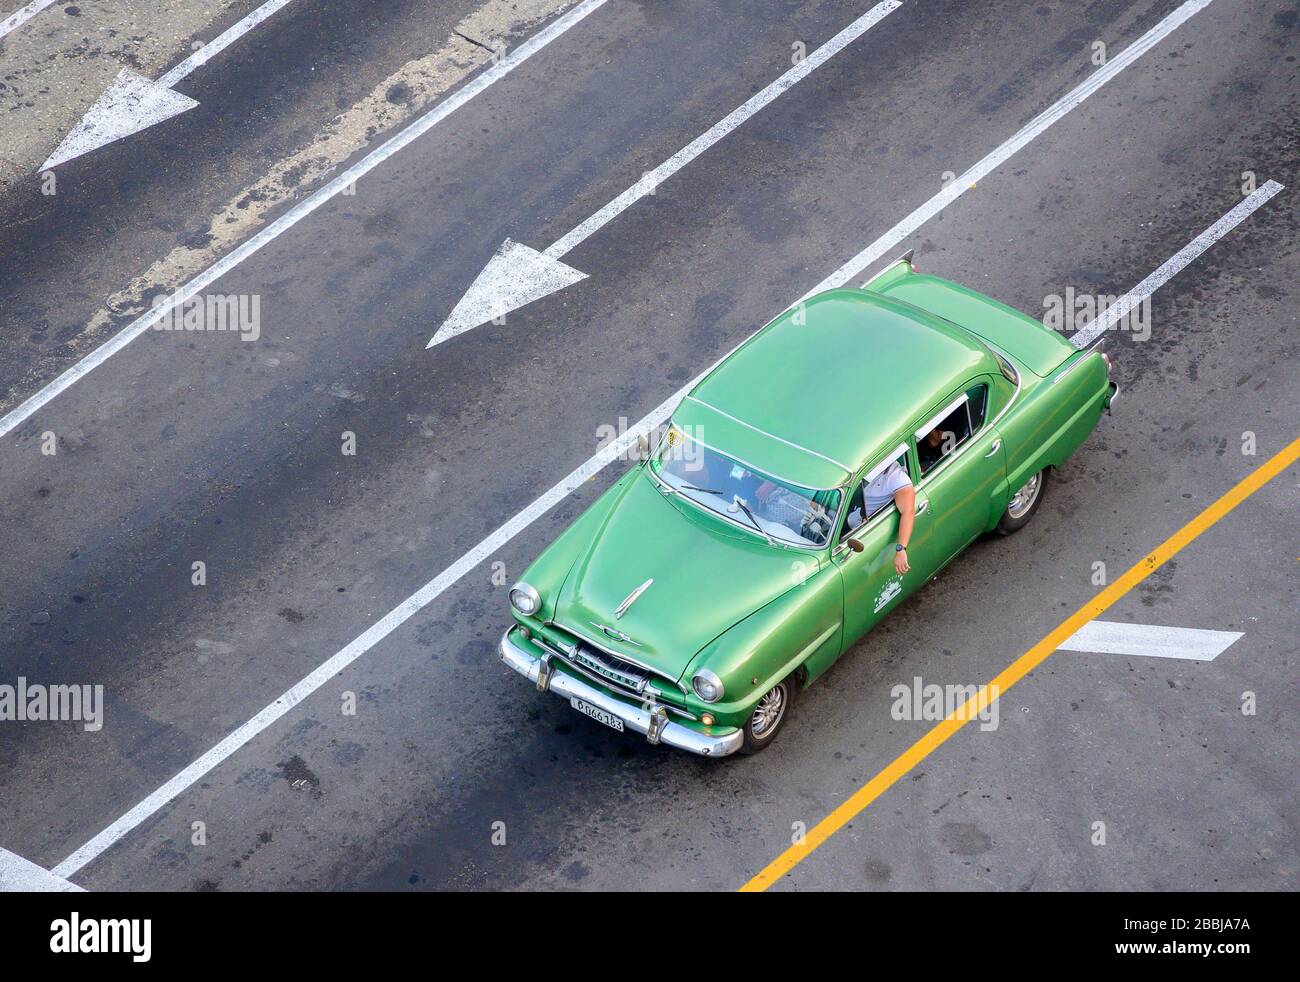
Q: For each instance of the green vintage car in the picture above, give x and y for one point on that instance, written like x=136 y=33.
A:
x=733 y=565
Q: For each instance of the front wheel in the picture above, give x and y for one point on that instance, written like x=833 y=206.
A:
x=769 y=715
x=1023 y=504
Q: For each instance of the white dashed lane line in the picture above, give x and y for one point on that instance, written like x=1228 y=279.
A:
x=1150 y=641
x=21 y=16
x=1174 y=264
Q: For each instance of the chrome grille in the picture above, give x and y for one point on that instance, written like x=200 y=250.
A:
x=614 y=669
x=617 y=673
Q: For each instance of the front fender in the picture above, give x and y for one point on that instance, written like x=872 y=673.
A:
x=761 y=650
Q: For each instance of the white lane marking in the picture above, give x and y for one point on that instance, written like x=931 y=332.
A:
x=18 y=875
x=20 y=17
x=381 y=629
x=1149 y=640
x=348 y=178
x=517 y=275
x=132 y=102
x=1176 y=264
x=887 y=243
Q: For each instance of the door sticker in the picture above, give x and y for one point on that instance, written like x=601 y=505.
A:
x=891 y=589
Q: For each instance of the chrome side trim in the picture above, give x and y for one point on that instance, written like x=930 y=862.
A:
x=816 y=642
x=633 y=717
x=1071 y=367
x=904 y=258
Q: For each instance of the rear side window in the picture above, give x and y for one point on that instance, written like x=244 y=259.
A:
x=977 y=398
x=952 y=427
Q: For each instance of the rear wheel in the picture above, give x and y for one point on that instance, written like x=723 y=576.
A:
x=1023 y=504
x=769 y=715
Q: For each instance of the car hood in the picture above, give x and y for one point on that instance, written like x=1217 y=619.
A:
x=707 y=577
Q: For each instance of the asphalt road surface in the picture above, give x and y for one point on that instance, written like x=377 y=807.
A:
x=1106 y=771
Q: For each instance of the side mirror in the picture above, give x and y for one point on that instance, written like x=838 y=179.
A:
x=854 y=545
x=642 y=447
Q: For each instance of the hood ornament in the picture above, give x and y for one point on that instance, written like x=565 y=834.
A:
x=631 y=598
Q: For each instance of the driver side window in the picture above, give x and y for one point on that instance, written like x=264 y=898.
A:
x=875 y=492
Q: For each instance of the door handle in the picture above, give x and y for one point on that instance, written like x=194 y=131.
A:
x=920 y=509
x=997 y=445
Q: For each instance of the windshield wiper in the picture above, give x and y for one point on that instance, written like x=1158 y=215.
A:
x=692 y=487
x=735 y=500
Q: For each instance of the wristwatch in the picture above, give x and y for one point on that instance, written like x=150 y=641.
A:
x=899 y=547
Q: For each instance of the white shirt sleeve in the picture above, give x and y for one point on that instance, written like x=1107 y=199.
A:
x=881 y=491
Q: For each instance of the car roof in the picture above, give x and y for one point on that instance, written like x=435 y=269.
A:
x=786 y=400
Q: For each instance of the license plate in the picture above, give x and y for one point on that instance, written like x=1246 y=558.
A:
x=596 y=713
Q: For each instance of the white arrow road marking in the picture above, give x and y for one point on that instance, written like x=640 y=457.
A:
x=20 y=17
x=1149 y=640
x=132 y=102
x=17 y=875
x=518 y=275
x=386 y=625
x=515 y=276
x=412 y=132
x=1175 y=264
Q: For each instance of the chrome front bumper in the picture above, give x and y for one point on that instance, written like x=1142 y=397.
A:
x=655 y=725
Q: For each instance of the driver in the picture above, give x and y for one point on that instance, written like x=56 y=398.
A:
x=893 y=483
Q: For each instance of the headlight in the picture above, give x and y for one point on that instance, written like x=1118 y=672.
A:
x=707 y=685
x=525 y=599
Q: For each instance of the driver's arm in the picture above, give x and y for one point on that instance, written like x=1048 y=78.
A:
x=905 y=499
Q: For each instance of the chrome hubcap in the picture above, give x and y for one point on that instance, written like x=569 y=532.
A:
x=768 y=712
x=1024 y=499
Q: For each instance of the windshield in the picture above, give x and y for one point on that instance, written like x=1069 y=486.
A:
x=781 y=511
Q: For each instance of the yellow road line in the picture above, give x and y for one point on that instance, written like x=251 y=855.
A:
x=1019 y=668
